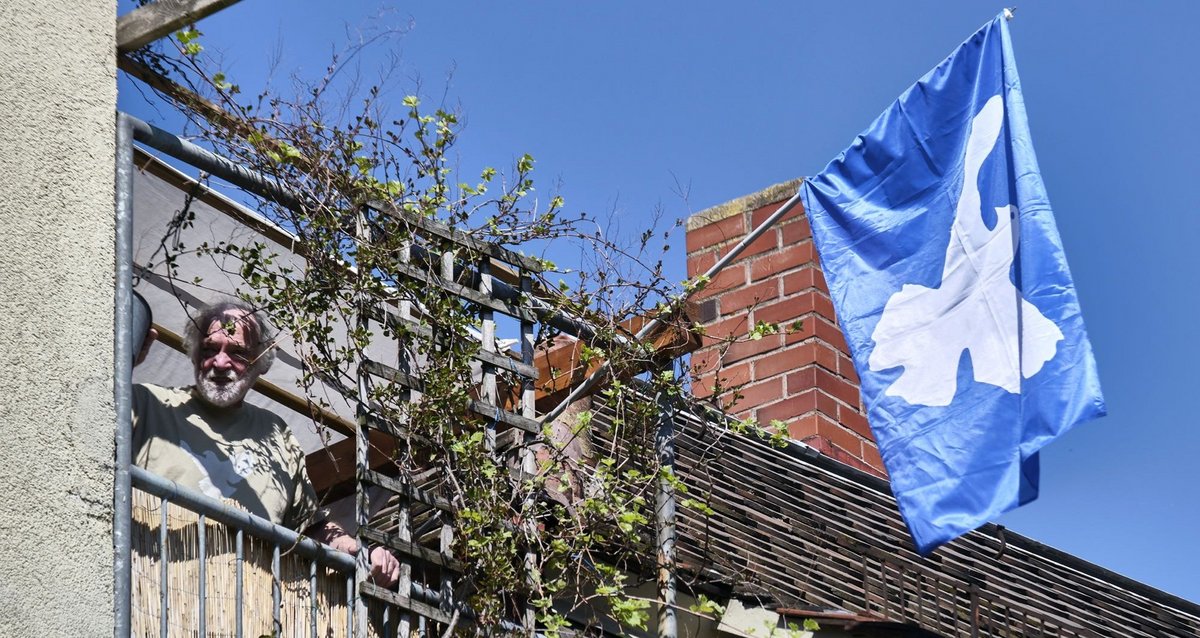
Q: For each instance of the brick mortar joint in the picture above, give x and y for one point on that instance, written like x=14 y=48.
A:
x=771 y=194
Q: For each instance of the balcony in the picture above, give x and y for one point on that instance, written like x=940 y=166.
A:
x=785 y=533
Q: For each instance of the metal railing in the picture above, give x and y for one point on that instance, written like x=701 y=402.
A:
x=413 y=600
x=245 y=528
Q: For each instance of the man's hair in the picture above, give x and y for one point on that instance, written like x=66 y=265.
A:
x=260 y=334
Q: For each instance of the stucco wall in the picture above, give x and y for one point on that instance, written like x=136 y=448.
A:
x=57 y=100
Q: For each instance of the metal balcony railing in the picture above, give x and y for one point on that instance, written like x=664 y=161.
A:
x=203 y=568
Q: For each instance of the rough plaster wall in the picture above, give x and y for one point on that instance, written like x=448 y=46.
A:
x=57 y=102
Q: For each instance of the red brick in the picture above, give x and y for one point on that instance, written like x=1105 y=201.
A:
x=805 y=278
x=728 y=377
x=823 y=305
x=796 y=232
x=821 y=281
x=799 y=281
x=853 y=419
x=702 y=386
x=735 y=375
x=828 y=332
x=825 y=356
x=827 y=405
x=698 y=263
x=705 y=361
x=800 y=383
x=798 y=427
x=848 y=458
x=725 y=329
x=785 y=360
x=802 y=379
x=750 y=295
x=803 y=429
x=778 y=262
x=783 y=312
x=768 y=242
x=840 y=437
x=846 y=368
x=732 y=277
x=812 y=399
x=802 y=403
x=716 y=233
x=800 y=331
x=760 y=214
x=824 y=446
x=838 y=387
x=754 y=395
x=818 y=443
x=787 y=411
x=874 y=461
x=748 y=348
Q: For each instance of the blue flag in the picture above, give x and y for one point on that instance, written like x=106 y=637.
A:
x=950 y=284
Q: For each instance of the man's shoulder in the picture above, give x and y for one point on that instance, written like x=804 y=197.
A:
x=166 y=396
x=267 y=418
x=270 y=425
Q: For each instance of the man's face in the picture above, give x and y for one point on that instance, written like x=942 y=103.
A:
x=223 y=362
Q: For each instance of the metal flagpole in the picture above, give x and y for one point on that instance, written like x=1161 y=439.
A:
x=654 y=323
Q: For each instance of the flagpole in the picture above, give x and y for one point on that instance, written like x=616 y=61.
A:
x=654 y=323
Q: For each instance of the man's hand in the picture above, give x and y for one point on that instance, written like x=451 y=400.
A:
x=343 y=543
x=385 y=569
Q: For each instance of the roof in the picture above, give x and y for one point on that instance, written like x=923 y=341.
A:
x=797 y=530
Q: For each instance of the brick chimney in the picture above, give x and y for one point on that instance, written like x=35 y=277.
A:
x=802 y=376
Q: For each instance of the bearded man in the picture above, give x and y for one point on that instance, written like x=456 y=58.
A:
x=207 y=438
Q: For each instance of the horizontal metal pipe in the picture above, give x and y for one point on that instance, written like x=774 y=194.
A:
x=256 y=183
x=239 y=519
x=212 y=163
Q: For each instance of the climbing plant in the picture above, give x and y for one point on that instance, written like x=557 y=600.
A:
x=361 y=174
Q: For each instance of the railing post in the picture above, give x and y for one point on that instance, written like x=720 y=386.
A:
x=664 y=443
x=123 y=379
x=362 y=459
x=528 y=459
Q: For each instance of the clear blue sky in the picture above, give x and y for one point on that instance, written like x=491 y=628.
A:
x=618 y=101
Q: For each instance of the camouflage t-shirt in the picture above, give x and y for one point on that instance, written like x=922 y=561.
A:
x=245 y=454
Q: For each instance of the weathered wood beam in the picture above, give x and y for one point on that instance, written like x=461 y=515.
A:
x=150 y=22
x=559 y=368
x=332 y=470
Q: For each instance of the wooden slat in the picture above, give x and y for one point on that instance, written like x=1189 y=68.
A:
x=150 y=22
x=408 y=491
x=500 y=360
x=419 y=274
x=404 y=602
x=438 y=229
x=408 y=548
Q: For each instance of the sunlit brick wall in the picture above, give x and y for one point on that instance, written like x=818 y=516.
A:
x=801 y=376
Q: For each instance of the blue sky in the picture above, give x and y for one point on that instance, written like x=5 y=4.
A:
x=623 y=103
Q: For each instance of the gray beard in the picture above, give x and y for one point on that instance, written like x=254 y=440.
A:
x=224 y=395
